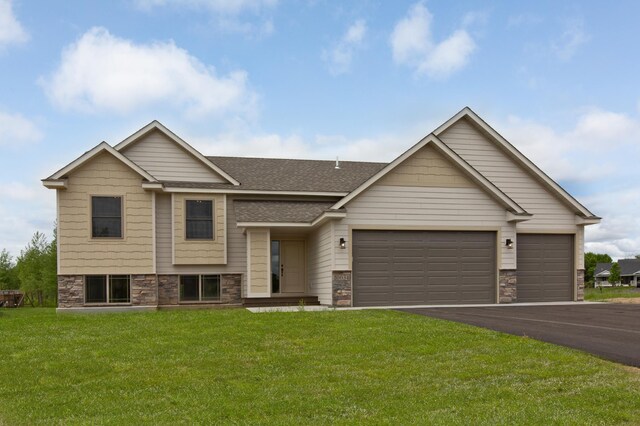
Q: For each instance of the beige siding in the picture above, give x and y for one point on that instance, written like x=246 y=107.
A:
x=166 y=160
x=199 y=252
x=258 y=242
x=236 y=244
x=394 y=207
x=550 y=214
x=80 y=254
x=427 y=167
x=320 y=262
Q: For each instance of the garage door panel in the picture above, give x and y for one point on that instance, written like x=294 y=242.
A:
x=423 y=267
x=545 y=271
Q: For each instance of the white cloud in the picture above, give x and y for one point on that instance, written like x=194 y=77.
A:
x=339 y=58
x=101 y=72
x=16 y=129
x=571 y=39
x=413 y=45
x=11 y=31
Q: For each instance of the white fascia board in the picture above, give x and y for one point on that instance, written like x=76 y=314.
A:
x=515 y=218
x=323 y=217
x=156 y=125
x=55 y=183
x=252 y=192
x=587 y=220
x=153 y=186
x=513 y=151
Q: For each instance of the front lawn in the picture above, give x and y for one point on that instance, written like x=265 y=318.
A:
x=605 y=293
x=231 y=366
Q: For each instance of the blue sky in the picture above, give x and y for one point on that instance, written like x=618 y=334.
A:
x=362 y=80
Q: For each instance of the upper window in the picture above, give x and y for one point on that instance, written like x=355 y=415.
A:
x=106 y=217
x=199 y=220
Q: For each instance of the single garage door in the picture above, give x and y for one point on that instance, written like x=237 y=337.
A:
x=545 y=267
x=393 y=268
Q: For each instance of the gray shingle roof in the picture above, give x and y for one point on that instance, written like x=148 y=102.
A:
x=279 y=211
x=271 y=174
x=602 y=267
x=629 y=266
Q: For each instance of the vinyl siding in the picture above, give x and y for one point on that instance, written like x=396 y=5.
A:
x=236 y=244
x=394 y=207
x=199 y=252
x=550 y=214
x=166 y=160
x=259 y=264
x=79 y=253
x=320 y=262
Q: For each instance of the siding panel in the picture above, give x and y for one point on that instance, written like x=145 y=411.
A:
x=320 y=263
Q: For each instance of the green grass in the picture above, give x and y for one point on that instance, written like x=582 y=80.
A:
x=231 y=366
x=604 y=293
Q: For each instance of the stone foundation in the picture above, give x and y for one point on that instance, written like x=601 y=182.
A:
x=168 y=287
x=341 y=288
x=70 y=291
x=580 y=285
x=144 y=290
x=231 y=289
x=508 y=283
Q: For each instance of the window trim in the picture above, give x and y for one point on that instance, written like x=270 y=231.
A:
x=107 y=289
x=213 y=221
x=122 y=222
x=200 y=288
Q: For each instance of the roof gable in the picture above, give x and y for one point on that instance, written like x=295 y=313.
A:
x=87 y=156
x=516 y=156
x=183 y=152
x=443 y=152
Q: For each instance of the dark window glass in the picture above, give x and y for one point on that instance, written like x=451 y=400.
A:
x=199 y=219
x=189 y=288
x=96 y=289
x=106 y=217
x=210 y=287
x=119 y=289
x=275 y=266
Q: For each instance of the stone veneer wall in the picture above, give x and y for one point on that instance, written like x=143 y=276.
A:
x=508 y=286
x=144 y=290
x=70 y=291
x=168 y=286
x=341 y=288
x=231 y=289
x=580 y=285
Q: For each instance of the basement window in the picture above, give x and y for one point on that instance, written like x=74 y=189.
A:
x=199 y=224
x=107 y=289
x=199 y=288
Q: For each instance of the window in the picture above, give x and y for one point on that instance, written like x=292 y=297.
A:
x=199 y=220
x=199 y=288
x=107 y=289
x=275 y=266
x=106 y=217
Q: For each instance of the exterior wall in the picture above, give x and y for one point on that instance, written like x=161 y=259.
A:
x=230 y=290
x=399 y=207
x=166 y=160
x=70 y=291
x=79 y=253
x=199 y=252
x=144 y=290
x=427 y=167
x=580 y=285
x=508 y=283
x=259 y=265
x=320 y=262
x=341 y=288
x=168 y=289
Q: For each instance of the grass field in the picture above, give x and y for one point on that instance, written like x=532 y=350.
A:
x=604 y=293
x=231 y=366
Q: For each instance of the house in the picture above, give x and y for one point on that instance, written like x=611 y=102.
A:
x=601 y=274
x=461 y=217
x=629 y=271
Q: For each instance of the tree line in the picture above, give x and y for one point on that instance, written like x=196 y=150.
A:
x=34 y=271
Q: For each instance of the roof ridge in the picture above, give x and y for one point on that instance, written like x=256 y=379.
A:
x=294 y=159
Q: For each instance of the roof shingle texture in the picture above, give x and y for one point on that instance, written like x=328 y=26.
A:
x=629 y=266
x=279 y=211
x=601 y=267
x=272 y=174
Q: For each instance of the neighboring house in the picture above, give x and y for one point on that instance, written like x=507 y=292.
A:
x=601 y=274
x=460 y=217
x=629 y=271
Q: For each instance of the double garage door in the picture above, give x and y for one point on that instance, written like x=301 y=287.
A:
x=394 y=268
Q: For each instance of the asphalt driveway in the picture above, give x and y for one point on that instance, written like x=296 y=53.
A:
x=610 y=331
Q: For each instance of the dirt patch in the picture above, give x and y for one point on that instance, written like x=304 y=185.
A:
x=625 y=300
